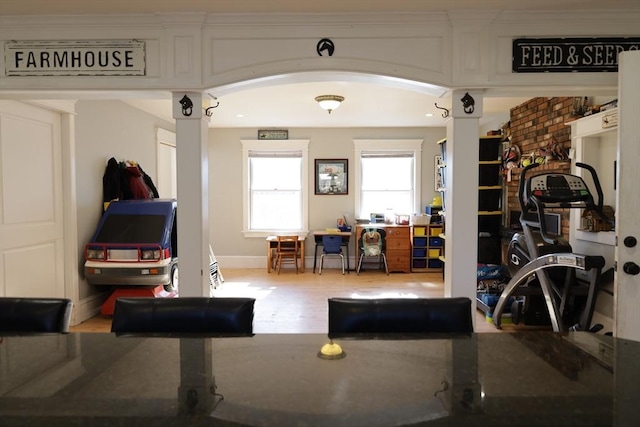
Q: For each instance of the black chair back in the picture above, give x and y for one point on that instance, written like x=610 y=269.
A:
x=34 y=315
x=190 y=315
x=349 y=317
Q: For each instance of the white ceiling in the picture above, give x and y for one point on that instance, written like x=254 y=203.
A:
x=368 y=102
x=75 y=7
x=293 y=105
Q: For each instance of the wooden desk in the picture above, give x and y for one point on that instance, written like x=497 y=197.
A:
x=272 y=244
x=398 y=243
x=317 y=236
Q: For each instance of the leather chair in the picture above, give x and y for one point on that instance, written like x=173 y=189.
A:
x=34 y=315
x=189 y=315
x=349 y=317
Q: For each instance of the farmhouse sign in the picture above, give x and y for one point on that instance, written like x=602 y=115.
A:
x=564 y=55
x=75 y=58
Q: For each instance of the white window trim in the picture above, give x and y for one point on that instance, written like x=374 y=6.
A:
x=277 y=145
x=389 y=145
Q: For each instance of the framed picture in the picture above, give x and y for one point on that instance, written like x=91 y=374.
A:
x=332 y=176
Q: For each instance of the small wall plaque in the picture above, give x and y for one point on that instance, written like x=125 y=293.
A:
x=273 y=134
x=610 y=120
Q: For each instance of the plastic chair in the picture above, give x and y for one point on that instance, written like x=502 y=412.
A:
x=188 y=315
x=331 y=245
x=34 y=315
x=373 y=245
x=287 y=251
x=353 y=317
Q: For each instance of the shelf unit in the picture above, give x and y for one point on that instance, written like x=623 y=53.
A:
x=427 y=248
x=440 y=172
x=595 y=143
x=490 y=194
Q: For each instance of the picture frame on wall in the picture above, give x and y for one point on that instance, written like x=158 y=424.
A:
x=331 y=176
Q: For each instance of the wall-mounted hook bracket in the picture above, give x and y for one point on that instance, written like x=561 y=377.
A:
x=209 y=111
x=446 y=111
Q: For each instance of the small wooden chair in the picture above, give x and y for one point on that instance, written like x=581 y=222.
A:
x=287 y=251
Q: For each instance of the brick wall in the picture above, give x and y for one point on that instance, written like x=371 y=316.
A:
x=533 y=126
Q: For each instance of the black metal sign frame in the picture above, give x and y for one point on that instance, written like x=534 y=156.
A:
x=570 y=55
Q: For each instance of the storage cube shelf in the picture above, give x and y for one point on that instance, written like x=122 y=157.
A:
x=426 y=248
x=490 y=204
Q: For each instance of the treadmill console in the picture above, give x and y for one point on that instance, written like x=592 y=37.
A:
x=557 y=188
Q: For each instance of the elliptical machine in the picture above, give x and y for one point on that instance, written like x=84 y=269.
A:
x=545 y=263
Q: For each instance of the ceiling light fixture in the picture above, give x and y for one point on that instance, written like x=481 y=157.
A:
x=329 y=102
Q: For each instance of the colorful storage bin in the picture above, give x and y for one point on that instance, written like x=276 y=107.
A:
x=435 y=263
x=435 y=241
x=419 y=241
x=434 y=253
x=419 y=252
x=419 y=231
x=419 y=263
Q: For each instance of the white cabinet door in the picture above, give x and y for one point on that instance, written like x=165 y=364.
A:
x=31 y=210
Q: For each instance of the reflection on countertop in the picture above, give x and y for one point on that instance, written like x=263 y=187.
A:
x=529 y=378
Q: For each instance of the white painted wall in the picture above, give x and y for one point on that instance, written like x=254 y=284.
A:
x=106 y=129
x=225 y=163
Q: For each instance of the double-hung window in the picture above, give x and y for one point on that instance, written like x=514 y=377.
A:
x=275 y=186
x=388 y=176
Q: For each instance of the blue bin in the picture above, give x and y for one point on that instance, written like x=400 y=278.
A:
x=419 y=253
x=419 y=241
x=435 y=241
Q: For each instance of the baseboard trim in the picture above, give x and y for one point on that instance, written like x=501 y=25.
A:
x=88 y=307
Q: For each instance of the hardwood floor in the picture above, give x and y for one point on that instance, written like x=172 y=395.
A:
x=297 y=303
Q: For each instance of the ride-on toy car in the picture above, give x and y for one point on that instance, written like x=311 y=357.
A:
x=135 y=244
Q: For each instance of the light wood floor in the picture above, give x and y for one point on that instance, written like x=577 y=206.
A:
x=297 y=303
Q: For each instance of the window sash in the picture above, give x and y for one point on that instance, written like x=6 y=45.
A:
x=287 y=187
x=275 y=192
x=402 y=194
x=386 y=183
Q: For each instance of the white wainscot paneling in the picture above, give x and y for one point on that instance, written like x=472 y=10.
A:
x=29 y=162
x=30 y=271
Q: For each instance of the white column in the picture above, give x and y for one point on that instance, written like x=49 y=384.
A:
x=193 y=193
x=461 y=197
x=197 y=379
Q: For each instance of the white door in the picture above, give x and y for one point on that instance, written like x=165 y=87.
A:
x=627 y=279
x=167 y=179
x=31 y=211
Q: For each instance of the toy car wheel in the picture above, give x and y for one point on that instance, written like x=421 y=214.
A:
x=173 y=285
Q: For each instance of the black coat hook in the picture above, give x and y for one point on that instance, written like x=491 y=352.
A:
x=209 y=111
x=446 y=111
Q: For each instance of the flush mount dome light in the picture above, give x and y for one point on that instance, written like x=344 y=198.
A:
x=329 y=102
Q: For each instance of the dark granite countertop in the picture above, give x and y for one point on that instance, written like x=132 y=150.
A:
x=523 y=379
